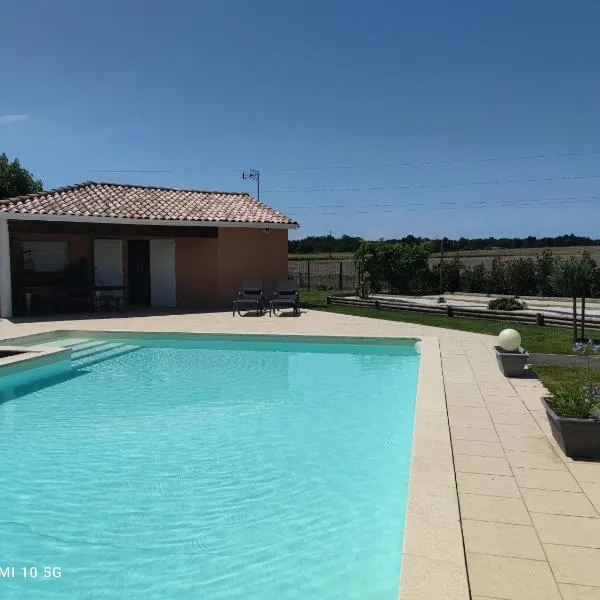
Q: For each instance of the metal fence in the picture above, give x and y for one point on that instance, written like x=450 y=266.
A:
x=324 y=274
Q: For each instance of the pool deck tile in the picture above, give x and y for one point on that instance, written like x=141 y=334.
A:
x=574 y=564
x=511 y=578
x=494 y=508
x=579 y=592
x=528 y=519
x=558 y=503
x=477 y=448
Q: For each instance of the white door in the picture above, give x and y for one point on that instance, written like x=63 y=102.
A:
x=108 y=263
x=162 y=273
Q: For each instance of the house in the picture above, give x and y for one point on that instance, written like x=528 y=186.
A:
x=138 y=245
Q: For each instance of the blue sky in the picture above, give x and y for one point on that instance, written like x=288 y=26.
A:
x=202 y=90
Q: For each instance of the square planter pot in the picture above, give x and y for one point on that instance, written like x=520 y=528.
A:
x=512 y=364
x=578 y=438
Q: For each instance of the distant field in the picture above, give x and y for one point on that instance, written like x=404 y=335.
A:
x=322 y=256
x=468 y=257
x=475 y=257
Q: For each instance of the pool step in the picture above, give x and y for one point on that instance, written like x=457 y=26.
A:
x=77 y=345
x=100 y=354
x=82 y=350
x=86 y=352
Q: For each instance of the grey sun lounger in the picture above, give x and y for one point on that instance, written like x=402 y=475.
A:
x=285 y=296
x=250 y=298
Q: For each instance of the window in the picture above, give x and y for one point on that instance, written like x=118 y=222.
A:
x=45 y=256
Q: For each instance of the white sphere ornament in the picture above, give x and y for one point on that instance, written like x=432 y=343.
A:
x=509 y=339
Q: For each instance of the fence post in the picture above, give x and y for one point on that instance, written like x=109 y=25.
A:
x=341 y=277
x=308 y=274
x=539 y=319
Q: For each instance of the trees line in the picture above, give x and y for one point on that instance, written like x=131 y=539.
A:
x=346 y=243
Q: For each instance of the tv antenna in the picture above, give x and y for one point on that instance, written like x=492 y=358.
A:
x=253 y=174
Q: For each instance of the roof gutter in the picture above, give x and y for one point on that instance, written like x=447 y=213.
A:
x=129 y=221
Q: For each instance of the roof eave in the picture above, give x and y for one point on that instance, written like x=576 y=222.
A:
x=130 y=221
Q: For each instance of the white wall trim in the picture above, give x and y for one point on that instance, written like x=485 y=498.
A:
x=5 y=277
x=124 y=221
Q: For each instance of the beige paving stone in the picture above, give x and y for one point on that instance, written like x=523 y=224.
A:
x=476 y=448
x=432 y=449
x=496 y=398
x=503 y=408
x=461 y=416
x=512 y=418
x=432 y=416
x=526 y=444
x=481 y=464
x=478 y=434
x=567 y=530
x=533 y=403
x=433 y=471
x=424 y=579
x=502 y=539
x=432 y=526
x=558 y=503
x=461 y=389
x=579 y=592
x=542 y=421
x=530 y=429
x=535 y=460
x=573 y=564
x=428 y=430
x=494 y=388
x=586 y=471
x=473 y=402
x=592 y=491
x=489 y=485
x=511 y=578
x=494 y=508
x=431 y=391
x=545 y=479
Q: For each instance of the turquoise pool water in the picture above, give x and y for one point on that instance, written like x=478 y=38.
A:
x=208 y=470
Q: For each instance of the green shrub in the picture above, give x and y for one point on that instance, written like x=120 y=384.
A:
x=573 y=402
x=506 y=304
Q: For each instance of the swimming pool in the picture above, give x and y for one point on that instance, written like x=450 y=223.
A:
x=209 y=468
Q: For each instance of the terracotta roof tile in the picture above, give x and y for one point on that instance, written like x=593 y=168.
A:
x=92 y=199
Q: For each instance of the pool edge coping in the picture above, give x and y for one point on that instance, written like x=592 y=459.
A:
x=433 y=560
x=31 y=358
x=199 y=335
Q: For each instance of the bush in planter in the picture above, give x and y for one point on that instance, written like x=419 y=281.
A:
x=574 y=414
x=575 y=403
x=506 y=304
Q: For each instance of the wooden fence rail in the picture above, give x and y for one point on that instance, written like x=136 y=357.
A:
x=469 y=313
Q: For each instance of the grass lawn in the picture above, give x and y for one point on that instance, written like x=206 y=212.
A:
x=551 y=340
x=554 y=378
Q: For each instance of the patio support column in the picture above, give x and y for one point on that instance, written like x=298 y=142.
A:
x=5 y=279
